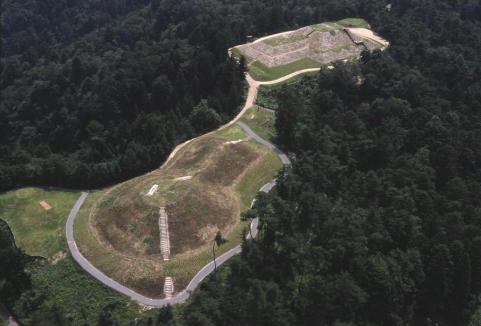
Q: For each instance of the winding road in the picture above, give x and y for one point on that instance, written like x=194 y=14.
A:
x=209 y=268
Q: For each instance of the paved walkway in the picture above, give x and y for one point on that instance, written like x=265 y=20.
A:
x=209 y=268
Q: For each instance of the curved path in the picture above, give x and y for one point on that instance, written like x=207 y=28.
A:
x=209 y=268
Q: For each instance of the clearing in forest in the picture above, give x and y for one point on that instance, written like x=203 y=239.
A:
x=46 y=206
x=38 y=231
x=277 y=55
x=202 y=189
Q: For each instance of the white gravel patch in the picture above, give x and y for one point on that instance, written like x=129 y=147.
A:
x=186 y=177
x=153 y=190
x=234 y=141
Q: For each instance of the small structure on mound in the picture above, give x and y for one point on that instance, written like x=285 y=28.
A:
x=323 y=43
x=45 y=205
x=153 y=190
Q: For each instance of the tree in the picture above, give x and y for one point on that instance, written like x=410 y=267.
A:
x=218 y=241
x=13 y=279
x=249 y=215
x=204 y=118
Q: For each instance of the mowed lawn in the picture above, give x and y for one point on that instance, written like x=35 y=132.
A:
x=37 y=231
x=261 y=72
x=261 y=121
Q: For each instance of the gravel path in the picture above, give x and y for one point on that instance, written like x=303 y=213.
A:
x=209 y=268
x=369 y=34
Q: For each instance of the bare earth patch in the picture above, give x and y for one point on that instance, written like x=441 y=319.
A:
x=186 y=177
x=45 y=205
x=58 y=256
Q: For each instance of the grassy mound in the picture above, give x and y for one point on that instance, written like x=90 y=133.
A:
x=126 y=218
x=39 y=232
x=117 y=228
x=353 y=22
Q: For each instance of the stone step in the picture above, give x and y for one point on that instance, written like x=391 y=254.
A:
x=168 y=287
x=164 y=234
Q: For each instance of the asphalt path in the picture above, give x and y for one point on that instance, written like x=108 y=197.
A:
x=207 y=269
x=284 y=158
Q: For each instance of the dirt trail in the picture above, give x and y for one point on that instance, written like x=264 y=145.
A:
x=251 y=98
x=367 y=33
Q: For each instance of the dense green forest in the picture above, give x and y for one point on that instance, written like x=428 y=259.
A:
x=13 y=279
x=378 y=222
x=94 y=92
x=111 y=103
x=31 y=25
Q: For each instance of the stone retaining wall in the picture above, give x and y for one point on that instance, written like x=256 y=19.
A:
x=323 y=47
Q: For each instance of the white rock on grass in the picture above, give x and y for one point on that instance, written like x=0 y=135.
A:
x=186 y=177
x=152 y=190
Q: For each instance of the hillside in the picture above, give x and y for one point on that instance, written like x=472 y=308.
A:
x=110 y=99
x=202 y=190
x=377 y=223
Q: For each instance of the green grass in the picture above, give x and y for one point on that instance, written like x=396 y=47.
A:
x=255 y=179
x=236 y=53
x=276 y=41
x=86 y=241
x=353 y=22
x=261 y=72
x=68 y=293
x=261 y=121
x=231 y=133
x=37 y=231
x=289 y=81
x=337 y=25
x=322 y=27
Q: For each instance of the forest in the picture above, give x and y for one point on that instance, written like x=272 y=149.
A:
x=108 y=104
x=378 y=222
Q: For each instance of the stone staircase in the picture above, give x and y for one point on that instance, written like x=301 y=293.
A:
x=164 y=234
x=168 y=287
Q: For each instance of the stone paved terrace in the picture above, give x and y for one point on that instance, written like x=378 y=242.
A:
x=323 y=43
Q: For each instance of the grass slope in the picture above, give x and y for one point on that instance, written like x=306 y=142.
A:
x=261 y=121
x=261 y=72
x=353 y=22
x=37 y=231
x=59 y=290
